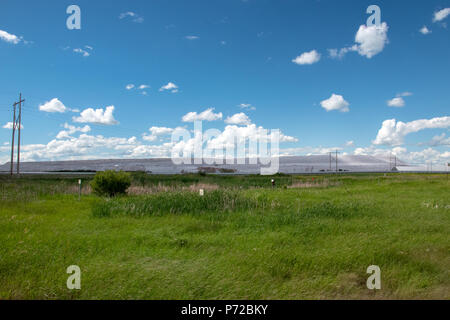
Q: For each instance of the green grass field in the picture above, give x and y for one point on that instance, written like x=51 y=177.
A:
x=311 y=237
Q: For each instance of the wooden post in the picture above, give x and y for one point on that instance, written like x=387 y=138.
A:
x=18 y=139
x=12 y=142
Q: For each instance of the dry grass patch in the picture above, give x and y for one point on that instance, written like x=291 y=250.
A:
x=142 y=190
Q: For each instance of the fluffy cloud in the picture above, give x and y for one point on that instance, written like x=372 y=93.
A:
x=393 y=132
x=192 y=37
x=228 y=138
x=172 y=87
x=156 y=132
x=65 y=134
x=426 y=156
x=207 y=115
x=425 y=30
x=143 y=86
x=9 y=125
x=53 y=105
x=8 y=37
x=307 y=58
x=370 y=40
x=396 y=102
x=79 y=148
x=239 y=119
x=441 y=14
x=98 y=116
x=129 y=86
x=161 y=130
x=335 y=102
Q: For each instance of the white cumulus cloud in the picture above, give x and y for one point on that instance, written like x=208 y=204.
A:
x=239 y=119
x=371 y=39
x=8 y=37
x=172 y=87
x=393 y=132
x=335 y=102
x=53 y=105
x=98 y=116
x=396 y=102
x=207 y=115
x=310 y=57
x=64 y=134
x=156 y=132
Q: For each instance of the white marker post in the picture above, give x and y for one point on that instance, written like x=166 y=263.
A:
x=79 y=189
x=202 y=192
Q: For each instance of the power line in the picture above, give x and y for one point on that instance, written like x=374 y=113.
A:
x=337 y=161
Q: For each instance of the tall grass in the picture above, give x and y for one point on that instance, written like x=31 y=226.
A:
x=217 y=201
x=226 y=201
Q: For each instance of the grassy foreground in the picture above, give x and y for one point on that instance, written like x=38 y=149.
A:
x=312 y=237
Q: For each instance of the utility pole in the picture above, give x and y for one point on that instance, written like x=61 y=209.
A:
x=17 y=123
x=330 y=160
x=12 y=142
x=337 y=161
x=18 y=138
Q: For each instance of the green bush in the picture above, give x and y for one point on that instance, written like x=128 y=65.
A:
x=111 y=183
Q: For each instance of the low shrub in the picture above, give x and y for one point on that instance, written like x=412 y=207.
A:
x=111 y=183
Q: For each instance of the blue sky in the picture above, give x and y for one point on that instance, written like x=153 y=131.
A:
x=269 y=60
